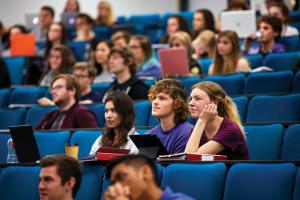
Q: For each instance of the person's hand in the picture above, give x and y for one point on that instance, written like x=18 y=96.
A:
x=45 y=102
x=209 y=112
x=117 y=192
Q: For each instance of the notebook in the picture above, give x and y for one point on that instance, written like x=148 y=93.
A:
x=22 y=45
x=25 y=144
x=242 y=22
x=174 y=61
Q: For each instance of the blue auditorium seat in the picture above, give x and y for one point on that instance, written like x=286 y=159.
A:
x=241 y=104
x=3 y=146
x=26 y=95
x=197 y=181
x=260 y=182
x=296 y=82
x=291 y=140
x=91 y=184
x=282 y=61
x=121 y=20
x=35 y=114
x=11 y=117
x=100 y=88
x=205 y=63
x=78 y=49
x=98 y=110
x=15 y=66
x=290 y=43
x=297 y=186
x=233 y=84
x=269 y=82
x=4 y=97
x=255 y=60
x=85 y=139
x=264 y=142
x=142 y=112
x=50 y=143
x=188 y=82
x=19 y=182
x=102 y=32
x=274 y=109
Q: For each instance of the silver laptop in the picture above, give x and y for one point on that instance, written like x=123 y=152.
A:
x=242 y=22
x=68 y=19
x=31 y=20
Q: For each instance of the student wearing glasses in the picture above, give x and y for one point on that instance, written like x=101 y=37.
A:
x=65 y=91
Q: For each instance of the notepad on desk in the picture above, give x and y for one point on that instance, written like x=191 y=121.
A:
x=108 y=153
x=193 y=157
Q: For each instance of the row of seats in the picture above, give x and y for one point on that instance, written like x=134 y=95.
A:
x=265 y=142
x=237 y=84
x=200 y=181
x=261 y=109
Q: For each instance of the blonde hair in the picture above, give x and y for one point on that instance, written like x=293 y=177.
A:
x=185 y=38
x=109 y=19
x=208 y=37
x=226 y=107
x=228 y=66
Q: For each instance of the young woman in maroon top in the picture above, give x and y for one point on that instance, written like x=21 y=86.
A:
x=218 y=129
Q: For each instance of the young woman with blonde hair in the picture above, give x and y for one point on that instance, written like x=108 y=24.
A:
x=205 y=45
x=218 y=129
x=105 y=14
x=228 y=58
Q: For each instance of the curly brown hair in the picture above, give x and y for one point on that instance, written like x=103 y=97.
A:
x=177 y=92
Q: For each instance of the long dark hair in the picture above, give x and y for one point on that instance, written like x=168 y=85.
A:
x=208 y=19
x=124 y=107
x=49 y=45
x=97 y=65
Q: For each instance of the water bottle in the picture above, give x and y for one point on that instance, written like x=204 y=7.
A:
x=11 y=152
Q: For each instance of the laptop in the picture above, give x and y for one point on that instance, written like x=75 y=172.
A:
x=22 y=45
x=174 y=61
x=242 y=22
x=25 y=144
x=68 y=19
x=31 y=20
x=149 y=145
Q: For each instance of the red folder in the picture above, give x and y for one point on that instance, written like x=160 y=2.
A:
x=190 y=156
x=107 y=156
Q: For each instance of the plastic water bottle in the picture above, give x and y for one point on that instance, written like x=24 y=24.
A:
x=11 y=152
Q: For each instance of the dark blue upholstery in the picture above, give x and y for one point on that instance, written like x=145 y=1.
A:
x=15 y=66
x=35 y=114
x=85 y=140
x=297 y=186
x=205 y=63
x=197 y=181
x=296 y=82
x=260 y=182
x=241 y=104
x=19 y=183
x=50 y=143
x=98 y=110
x=291 y=140
x=4 y=97
x=3 y=146
x=142 y=113
x=264 y=142
x=232 y=84
x=102 y=32
x=100 y=88
x=255 y=60
x=269 y=82
x=290 y=43
x=78 y=49
x=282 y=61
x=26 y=95
x=10 y=117
x=188 y=82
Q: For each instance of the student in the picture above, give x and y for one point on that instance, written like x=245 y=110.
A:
x=147 y=64
x=269 y=29
x=60 y=61
x=169 y=105
x=105 y=14
x=120 y=39
x=280 y=10
x=203 y=19
x=183 y=40
x=205 y=45
x=101 y=62
x=218 y=129
x=46 y=18
x=66 y=93
x=134 y=177
x=60 y=177
x=119 y=116
x=123 y=66
x=72 y=6
x=228 y=58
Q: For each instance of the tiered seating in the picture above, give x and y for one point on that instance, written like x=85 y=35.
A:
x=290 y=145
x=282 y=61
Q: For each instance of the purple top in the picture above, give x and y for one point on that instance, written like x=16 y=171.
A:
x=175 y=139
x=168 y=194
x=231 y=136
x=255 y=49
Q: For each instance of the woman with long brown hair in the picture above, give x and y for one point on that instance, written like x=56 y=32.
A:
x=119 y=115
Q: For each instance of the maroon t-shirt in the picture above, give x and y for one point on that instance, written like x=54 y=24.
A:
x=231 y=136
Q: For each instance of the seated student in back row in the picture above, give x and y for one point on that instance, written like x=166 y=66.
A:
x=169 y=105
x=218 y=129
x=119 y=116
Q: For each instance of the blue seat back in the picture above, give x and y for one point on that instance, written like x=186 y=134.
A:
x=205 y=63
x=26 y=95
x=260 y=181
x=102 y=32
x=142 y=112
x=15 y=66
x=195 y=180
x=274 y=108
x=297 y=185
x=85 y=140
x=296 y=82
x=290 y=43
x=19 y=182
x=269 y=82
x=241 y=104
x=4 y=97
x=11 y=117
x=282 y=61
x=255 y=60
x=264 y=142
x=50 y=143
x=3 y=146
x=78 y=49
x=98 y=110
x=35 y=114
x=291 y=140
x=100 y=88
x=188 y=82
x=232 y=84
